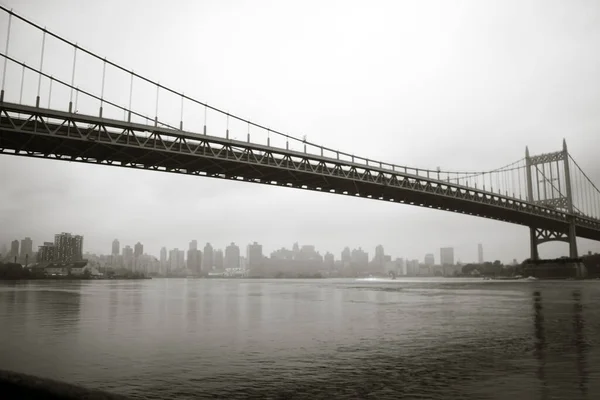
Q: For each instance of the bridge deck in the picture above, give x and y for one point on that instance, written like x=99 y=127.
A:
x=37 y=132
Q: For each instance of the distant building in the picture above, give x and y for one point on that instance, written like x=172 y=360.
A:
x=447 y=256
x=412 y=267
x=219 y=259
x=194 y=258
x=176 y=260
x=359 y=260
x=26 y=248
x=163 y=260
x=46 y=252
x=138 y=249
x=116 y=247
x=328 y=261
x=254 y=255
x=480 y=253
x=232 y=256
x=429 y=259
x=69 y=248
x=208 y=258
x=14 y=249
x=379 y=258
x=128 y=257
x=346 y=256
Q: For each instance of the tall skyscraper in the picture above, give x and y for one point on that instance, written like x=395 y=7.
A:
x=232 y=256
x=176 y=259
x=480 y=253
x=138 y=249
x=208 y=261
x=194 y=258
x=26 y=248
x=447 y=256
x=128 y=257
x=163 y=260
x=218 y=263
x=116 y=247
x=254 y=255
x=69 y=248
x=379 y=257
x=14 y=249
x=346 y=257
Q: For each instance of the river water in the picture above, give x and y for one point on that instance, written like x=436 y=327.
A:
x=287 y=339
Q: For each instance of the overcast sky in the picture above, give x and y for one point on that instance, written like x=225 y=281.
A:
x=464 y=85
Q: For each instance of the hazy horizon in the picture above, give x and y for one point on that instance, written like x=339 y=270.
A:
x=462 y=85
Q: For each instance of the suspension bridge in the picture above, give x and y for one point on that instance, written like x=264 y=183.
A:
x=78 y=106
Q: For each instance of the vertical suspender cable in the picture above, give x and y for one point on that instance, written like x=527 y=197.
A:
x=102 y=90
x=156 y=113
x=551 y=181
x=37 y=99
x=22 y=80
x=130 y=96
x=537 y=183
x=50 y=92
x=518 y=180
x=181 y=116
x=205 y=110
x=5 y=59
x=73 y=78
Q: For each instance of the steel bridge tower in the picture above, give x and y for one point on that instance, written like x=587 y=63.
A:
x=552 y=184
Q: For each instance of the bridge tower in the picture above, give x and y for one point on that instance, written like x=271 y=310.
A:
x=549 y=184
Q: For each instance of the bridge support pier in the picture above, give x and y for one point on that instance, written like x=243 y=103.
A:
x=538 y=236
x=533 y=243
x=572 y=240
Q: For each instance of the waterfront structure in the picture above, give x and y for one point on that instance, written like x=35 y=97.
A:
x=232 y=256
x=447 y=256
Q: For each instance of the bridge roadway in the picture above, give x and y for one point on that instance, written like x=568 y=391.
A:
x=45 y=133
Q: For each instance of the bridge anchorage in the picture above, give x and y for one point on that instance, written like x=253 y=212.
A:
x=67 y=103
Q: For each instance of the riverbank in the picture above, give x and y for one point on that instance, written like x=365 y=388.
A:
x=15 y=385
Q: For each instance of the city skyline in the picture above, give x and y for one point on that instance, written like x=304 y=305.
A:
x=243 y=251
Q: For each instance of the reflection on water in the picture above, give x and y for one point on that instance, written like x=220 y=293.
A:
x=437 y=338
